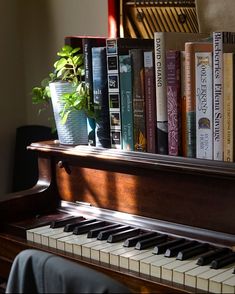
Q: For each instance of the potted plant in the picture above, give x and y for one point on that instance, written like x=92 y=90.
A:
x=66 y=90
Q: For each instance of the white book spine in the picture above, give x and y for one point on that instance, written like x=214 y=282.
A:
x=204 y=105
x=218 y=94
x=161 y=100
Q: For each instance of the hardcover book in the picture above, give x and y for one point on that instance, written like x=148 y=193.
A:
x=173 y=92
x=150 y=101
x=86 y=43
x=126 y=102
x=116 y=47
x=229 y=106
x=204 y=105
x=140 y=140
x=190 y=49
x=164 y=41
x=100 y=94
x=222 y=42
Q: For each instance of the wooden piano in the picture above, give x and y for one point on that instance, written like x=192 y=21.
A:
x=173 y=196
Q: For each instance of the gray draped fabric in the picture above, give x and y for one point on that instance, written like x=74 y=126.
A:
x=35 y=271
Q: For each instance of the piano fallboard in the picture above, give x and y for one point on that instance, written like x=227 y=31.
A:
x=176 y=196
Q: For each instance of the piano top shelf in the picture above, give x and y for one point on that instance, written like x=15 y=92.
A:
x=137 y=159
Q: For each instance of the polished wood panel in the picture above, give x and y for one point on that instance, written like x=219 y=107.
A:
x=179 y=196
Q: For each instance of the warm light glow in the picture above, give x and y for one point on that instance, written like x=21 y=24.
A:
x=112 y=27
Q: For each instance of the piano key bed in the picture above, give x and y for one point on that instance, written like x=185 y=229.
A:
x=198 y=265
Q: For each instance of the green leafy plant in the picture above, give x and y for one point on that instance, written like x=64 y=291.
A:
x=70 y=68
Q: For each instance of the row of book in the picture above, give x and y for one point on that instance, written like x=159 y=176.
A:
x=164 y=95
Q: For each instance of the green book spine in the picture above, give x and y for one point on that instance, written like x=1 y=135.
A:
x=126 y=102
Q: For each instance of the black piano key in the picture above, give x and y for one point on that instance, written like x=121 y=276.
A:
x=103 y=235
x=95 y=232
x=123 y=235
x=161 y=248
x=70 y=227
x=132 y=241
x=85 y=228
x=192 y=251
x=61 y=223
x=173 y=251
x=207 y=258
x=223 y=261
x=146 y=243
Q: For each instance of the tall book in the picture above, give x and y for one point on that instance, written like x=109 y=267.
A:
x=140 y=139
x=100 y=94
x=222 y=42
x=164 y=41
x=229 y=106
x=150 y=101
x=115 y=48
x=204 y=105
x=190 y=49
x=173 y=92
x=126 y=102
x=183 y=103
x=86 y=43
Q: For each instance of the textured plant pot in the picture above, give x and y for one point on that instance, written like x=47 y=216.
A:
x=74 y=131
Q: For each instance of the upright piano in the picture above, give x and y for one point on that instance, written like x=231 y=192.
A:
x=148 y=201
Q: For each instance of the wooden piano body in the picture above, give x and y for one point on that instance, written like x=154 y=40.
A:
x=180 y=196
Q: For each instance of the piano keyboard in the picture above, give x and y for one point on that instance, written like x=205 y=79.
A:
x=190 y=263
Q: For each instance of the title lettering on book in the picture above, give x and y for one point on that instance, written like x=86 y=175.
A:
x=158 y=62
x=217 y=55
x=202 y=91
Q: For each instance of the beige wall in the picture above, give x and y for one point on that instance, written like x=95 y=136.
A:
x=32 y=32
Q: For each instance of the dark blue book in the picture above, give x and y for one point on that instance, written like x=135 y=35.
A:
x=100 y=96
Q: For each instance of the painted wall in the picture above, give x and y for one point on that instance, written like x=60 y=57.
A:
x=31 y=34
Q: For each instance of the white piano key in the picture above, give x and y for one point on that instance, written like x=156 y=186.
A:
x=105 y=253
x=203 y=278
x=215 y=283
x=35 y=234
x=169 y=268
x=77 y=246
x=50 y=232
x=179 y=272
x=191 y=275
x=134 y=261
x=61 y=242
x=228 y=286
x=124 y=257
x=30 y=232
x=53 y=238
x=156 y=267
x=145 y=264
x=86 y=248
x=115 y=255
x=95 y=251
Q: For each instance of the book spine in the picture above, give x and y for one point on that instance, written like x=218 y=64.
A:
x=183 y=104
x=161 y=103
x=218 y=94
x=140 y=140
x=204 y=107
x=190 y=100
x=100 y=94
x=89 y=83
x=229 y=106
x=126 y=102
x=173 y=102
x=114 y=93
x=150 y=101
